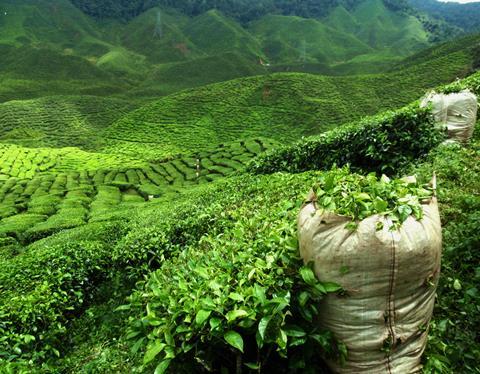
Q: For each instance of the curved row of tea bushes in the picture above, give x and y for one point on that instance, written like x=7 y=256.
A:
x=381 y=144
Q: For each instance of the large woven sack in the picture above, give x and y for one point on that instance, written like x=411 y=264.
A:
x=456 y=111
x=389 y=278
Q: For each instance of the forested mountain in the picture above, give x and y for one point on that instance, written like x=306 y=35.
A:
x=244 y=10
x=127 y=44
x=463 y=16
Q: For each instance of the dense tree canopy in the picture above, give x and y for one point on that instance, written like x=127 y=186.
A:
x=243 y=10
x=464 y=16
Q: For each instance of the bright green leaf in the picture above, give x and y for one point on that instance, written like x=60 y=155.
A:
x=236 y=314
x=162 y=367
x=234 y=339
x=153 y=351
x=202 y=316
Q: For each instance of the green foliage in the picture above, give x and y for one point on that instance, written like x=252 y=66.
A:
x=236 y=298
x=463 y=16
x=84 y=256
x=244 y=10
x=45 y=191
x=471 y=83
x=42 y=286
x=453 y=342
x=60 y=121
x=283 y=107
x=221 y=282
x=381 y=144
x=51 y=48
x=358 y=197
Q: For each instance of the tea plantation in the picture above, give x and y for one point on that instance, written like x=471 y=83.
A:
x=154 y=157
x=44 y=191
x=100 y=259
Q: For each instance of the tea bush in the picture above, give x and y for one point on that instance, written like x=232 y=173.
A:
x=73 y=191
x=381 y=144
x=453 y=343
x=239 y=232
x=471 y=83
x=240 y=295
x=47 y=284
x=236 y=297
x=358 y=197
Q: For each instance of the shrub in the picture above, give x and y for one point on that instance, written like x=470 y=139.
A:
x=41 y=288
x=453 y=340
x=236 y=297
x=471 y=83
x=380 y=144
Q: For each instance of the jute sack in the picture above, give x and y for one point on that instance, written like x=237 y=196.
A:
x=456 y=111
x=389 y=278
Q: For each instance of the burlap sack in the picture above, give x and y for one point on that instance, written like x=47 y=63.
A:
x=390 y=279
x=456 y=111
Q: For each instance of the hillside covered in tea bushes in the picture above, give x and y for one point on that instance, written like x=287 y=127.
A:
x=154 y=157
x=93 y=314
x=56 y=47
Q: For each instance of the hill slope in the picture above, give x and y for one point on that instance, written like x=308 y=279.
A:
x=210 y=232
x=463 y=16
x=282 y=106
x=64 y=43
x=59 y=121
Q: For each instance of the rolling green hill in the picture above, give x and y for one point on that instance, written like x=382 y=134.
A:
x=213 y=34
x=163 y=79
x=460 y=46
x=291 y=39
x=45 y=43
x=383 y=29
x=59 y=121
x=281 y=106
x=55 y=24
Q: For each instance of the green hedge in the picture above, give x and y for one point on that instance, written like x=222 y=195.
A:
x=454 y=346
x=41 y=288
x=471 y=83
x=238 y=297
x=44 y=287
x=381 y=144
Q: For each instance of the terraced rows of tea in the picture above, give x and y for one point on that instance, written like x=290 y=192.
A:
x=59 y=121
x=41 y=194
x=25 y=163
x=283 y=107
